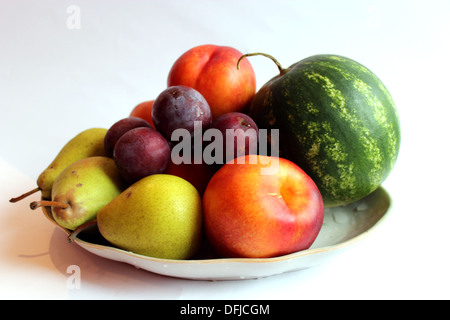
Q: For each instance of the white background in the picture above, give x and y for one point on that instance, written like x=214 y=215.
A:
x=57 y=80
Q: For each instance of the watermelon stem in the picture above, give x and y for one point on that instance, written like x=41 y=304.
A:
x=280 y=68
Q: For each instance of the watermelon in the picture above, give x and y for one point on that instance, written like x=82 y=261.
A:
x=336 y=120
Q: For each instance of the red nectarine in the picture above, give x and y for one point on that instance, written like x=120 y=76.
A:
x=212 y=70
x=255 y=215
x=144 y=111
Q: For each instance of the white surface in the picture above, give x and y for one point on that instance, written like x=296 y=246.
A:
x=56 y=81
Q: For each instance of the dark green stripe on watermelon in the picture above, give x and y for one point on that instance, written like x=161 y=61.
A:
x=337 y=121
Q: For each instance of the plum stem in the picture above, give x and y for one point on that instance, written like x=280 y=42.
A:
x=23 y=196
x=280 y=68
x=47 y=203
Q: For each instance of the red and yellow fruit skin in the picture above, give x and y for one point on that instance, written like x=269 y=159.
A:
x=251 y=215
x=144 y=110
x=212 y=70
x=197 y=174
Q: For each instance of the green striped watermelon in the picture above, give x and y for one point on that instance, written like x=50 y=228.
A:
x=336 y=120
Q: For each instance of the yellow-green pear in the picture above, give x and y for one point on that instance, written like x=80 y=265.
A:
x=88 y=143
x=158 y=216
x=82 y=189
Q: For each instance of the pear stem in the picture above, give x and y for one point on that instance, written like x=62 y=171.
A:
x=48 y=203
x=24 y=195
x=74 y=233
x=280 y=68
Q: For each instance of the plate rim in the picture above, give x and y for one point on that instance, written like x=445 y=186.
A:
x=218 y=261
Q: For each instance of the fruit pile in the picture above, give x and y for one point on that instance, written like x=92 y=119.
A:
x=192 y=165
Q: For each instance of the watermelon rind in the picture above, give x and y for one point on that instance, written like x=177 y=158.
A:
x=336 y=120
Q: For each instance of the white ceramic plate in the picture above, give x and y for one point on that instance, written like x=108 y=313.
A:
x=342 y=227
